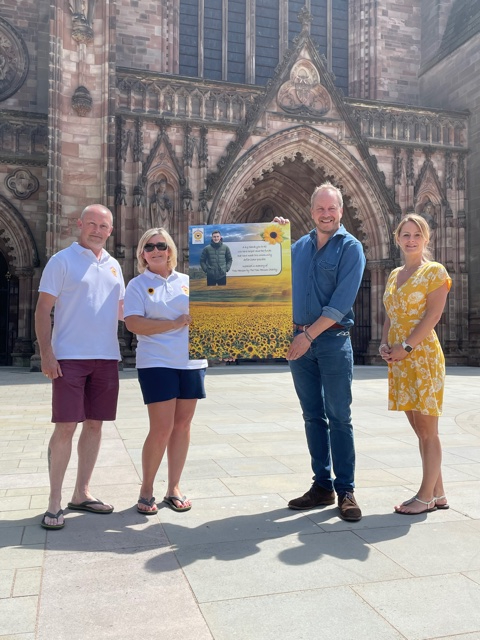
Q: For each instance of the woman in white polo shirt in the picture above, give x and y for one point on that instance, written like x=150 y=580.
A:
x=156 y=309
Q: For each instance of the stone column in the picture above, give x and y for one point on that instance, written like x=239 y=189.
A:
x=379 y=272
x=81 y=110
x=23 y=345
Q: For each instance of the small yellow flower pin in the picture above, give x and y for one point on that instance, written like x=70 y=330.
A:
x=151 y=290
x=114 y=271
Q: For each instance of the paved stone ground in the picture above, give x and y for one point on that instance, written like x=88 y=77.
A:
x=240 y=565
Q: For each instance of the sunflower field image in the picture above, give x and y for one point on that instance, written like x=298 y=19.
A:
x=240 y=291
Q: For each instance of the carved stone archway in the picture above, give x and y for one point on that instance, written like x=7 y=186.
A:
x=366 y=212
x=20 y=252
x=373 y=219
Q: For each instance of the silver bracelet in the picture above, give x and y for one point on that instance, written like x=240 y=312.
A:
x=382 y=346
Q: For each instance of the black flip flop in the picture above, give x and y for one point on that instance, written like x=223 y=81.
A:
x=147 y=503
x=87 y=505
x=48 y=514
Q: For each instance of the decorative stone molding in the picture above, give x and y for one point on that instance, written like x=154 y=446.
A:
x=303 y=93
x=203 y=204
x=82 y=101
x=13 y=60
x=22 y=183
x=187 y=198
x=23 y=138
x=138 y=195
x=183 y=99
x=400 y=124
x=120 y=194
x=138 y=141
x=305 y=18
x=82 y=20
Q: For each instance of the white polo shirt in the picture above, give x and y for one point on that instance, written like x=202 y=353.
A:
x=88 y=291
x=151 y=296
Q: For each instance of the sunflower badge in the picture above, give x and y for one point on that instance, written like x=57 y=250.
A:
x=197 y=236
x=273 y=234
x=114 y=271
x=151 y=290
x=185 y=290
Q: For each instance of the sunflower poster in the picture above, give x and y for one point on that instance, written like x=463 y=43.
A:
x=240 y=291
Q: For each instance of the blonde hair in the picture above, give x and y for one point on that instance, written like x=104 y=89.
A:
x=422 y=225
x=327 y=186
x=156 y=231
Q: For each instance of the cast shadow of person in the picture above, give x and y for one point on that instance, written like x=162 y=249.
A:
x=241 y=536
x=224 y=539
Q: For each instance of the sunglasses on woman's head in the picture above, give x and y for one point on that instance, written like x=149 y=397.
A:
x=159 y=246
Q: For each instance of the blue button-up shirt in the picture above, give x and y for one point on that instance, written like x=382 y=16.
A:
x=325 y=281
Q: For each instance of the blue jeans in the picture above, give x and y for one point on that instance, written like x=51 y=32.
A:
x=323 y=381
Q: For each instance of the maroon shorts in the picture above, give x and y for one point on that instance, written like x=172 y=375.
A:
x=88 y=390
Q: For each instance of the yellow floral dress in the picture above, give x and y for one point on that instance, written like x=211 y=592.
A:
x=415 y=383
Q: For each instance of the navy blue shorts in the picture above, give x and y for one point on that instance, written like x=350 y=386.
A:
x=159 y=384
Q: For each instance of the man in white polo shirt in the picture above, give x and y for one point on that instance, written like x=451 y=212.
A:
x=80 y=356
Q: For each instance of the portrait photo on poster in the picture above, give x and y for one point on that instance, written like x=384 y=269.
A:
x=240 y=291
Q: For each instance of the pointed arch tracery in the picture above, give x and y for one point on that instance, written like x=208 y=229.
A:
x=17 y=238
x=316 y=148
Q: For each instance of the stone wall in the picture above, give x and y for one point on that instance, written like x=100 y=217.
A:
x=144 y=39
x=434 y=20
x=385 y=50
x=30 y=20
x=443 y=85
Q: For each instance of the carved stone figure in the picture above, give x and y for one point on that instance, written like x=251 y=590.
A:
x=161 y=207
x=187 y=200
x=428 y=214
x=82 y=19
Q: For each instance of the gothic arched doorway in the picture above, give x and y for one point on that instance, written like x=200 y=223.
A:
x=8 y=312
x=285 y=191
x=18 y=284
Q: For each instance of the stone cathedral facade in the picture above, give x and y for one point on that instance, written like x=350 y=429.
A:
x=180 y=112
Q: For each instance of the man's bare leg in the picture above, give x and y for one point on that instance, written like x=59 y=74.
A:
x=59 y=452
x=88 y=448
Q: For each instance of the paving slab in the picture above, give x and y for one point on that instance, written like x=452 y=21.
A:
x=240 y=564
x=298 y=616
x=429 y=607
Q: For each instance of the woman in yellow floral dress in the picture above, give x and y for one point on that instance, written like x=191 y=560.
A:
x=414 y=299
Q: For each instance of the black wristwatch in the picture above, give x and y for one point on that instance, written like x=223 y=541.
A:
x=407 y=346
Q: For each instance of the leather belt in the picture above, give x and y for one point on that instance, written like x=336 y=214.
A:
x=302 y=327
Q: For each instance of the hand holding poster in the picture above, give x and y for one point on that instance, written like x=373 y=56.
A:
x=240 y=291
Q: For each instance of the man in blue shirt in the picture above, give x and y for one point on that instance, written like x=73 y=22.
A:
x=327 y=269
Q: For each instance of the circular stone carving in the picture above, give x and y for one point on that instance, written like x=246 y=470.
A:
x=22 y=183
x=13 y=60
